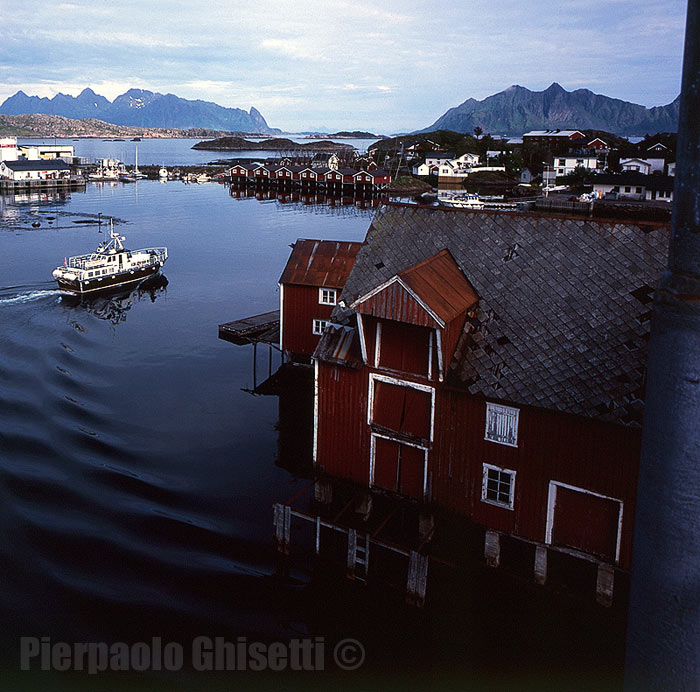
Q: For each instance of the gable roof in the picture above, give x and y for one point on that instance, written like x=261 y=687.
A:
x=436 y=292
x=564 y=303
x=37 y=165
x=320 y=263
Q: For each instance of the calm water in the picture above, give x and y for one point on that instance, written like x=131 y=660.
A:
x=168 y=152
x=137 y=477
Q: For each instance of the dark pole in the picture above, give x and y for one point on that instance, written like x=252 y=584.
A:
x=663 y=634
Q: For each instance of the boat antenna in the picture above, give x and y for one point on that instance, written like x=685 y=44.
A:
x=99 y=222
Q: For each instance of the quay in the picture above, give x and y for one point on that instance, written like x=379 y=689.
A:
x=400 y=543
x=8 y=186
x=263 y=328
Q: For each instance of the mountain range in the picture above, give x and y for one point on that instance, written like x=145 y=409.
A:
x=517 y=110
x=138 y=107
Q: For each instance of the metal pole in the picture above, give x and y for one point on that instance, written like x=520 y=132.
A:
x=663 y=635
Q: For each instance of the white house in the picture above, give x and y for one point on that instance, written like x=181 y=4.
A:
x=622 y=186
x=635 y=165
x=47 y=151
x=22 y=169
x=8 y=149
x=644 y=166
x=425 y=169
x=563 y=165
x=435 y=158
x=466 y=159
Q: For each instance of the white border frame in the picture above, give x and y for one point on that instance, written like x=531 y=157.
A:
x=372 y=456
x=551 y=505
x=325 y=323
x=329 y=290
x=484 y=480
x=375 y=377
x=517 y=424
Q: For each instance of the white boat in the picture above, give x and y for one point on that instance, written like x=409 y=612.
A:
x=466 y=201
x=202 y=178
x=110 y=265
x=104 y=175
x=163 y=173
x=137 y=173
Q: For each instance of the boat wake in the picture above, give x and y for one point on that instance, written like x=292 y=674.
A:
x=11 y=296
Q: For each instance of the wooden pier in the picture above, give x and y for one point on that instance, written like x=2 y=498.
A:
x=391 y=539
x=40 y=185
x=263 y=328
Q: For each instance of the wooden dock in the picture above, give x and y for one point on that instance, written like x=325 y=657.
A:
x=263 y=328
x=39 y=185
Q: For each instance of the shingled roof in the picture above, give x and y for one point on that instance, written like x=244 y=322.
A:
x=564 y=306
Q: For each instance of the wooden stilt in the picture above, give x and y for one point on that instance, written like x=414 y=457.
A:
x=492 y=548
x=540 y=564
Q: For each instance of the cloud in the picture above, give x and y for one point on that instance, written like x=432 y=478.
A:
x=300 y=61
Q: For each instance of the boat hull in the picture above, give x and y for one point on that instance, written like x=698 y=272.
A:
x=110 y=281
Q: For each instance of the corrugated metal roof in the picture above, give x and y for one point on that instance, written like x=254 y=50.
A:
x=320 y=263
x=431 y=293
x=440 y=283
x=564 y=306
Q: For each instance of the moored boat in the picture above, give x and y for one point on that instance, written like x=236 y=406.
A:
x=108 y=266
x=465 y=201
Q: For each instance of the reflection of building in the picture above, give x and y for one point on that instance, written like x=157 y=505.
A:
x=492 y=366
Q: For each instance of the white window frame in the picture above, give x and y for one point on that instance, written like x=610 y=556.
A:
x=552 y=502
x=373 y=453
x=375 y=377
x=327 y=296
x=484 y=486
x=493 y=409
x=319 y=326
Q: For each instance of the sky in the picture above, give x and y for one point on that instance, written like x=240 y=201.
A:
x=386 y=67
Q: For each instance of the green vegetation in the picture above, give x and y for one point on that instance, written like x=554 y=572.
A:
x=406 y=184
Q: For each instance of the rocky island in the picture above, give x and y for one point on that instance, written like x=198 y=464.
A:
x=273 y=144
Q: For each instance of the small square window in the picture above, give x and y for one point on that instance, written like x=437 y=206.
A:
x=327 y=296
x=502 y=424
x=319 y=326
x=498 y=486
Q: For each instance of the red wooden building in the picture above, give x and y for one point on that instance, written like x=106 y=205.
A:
x=309 y=288
x=493 y=364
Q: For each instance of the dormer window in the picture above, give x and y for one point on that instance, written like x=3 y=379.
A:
x=327 y=296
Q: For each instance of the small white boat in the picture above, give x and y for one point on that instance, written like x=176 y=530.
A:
x=466 y=201
x=163 y=173
x=202 y=178
x=110 y=265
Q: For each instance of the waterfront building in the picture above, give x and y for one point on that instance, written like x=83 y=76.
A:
x=492 y=365
x=309 y=289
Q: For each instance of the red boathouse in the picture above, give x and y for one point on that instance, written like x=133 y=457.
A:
x=493 y=364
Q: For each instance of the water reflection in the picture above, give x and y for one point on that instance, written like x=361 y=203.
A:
x=112 y=305
x=306 y=198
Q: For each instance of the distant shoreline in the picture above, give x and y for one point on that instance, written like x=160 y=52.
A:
x=274 y=144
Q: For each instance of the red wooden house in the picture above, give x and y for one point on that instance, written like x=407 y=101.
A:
x=309 y=288
x=493 y=364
